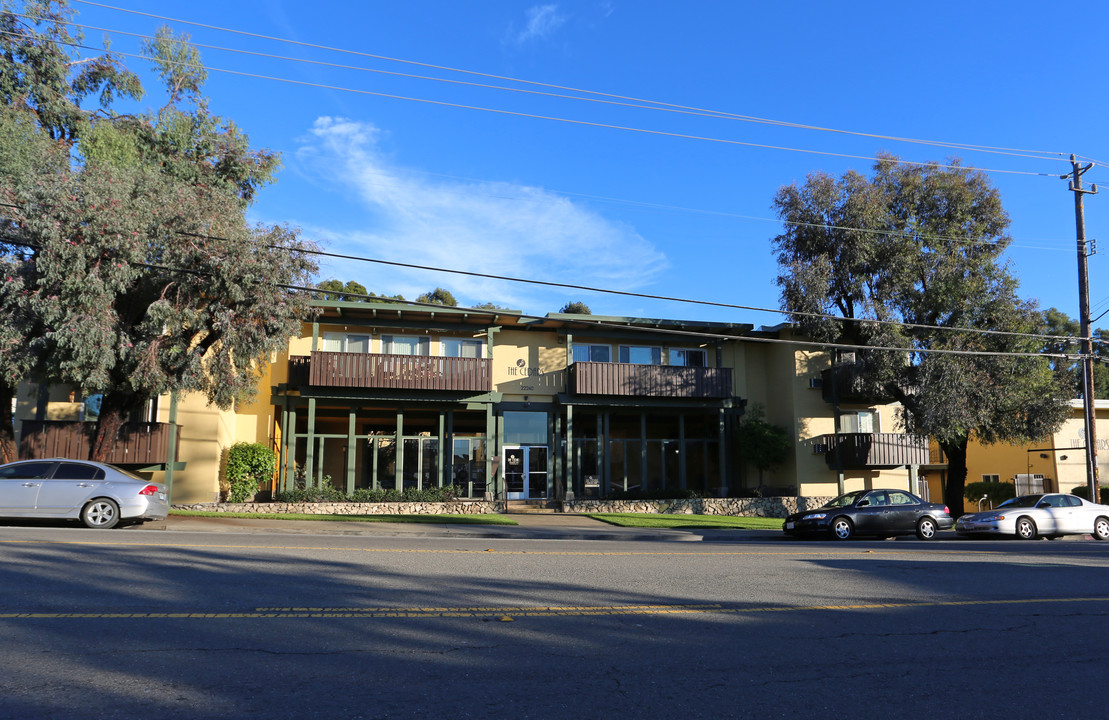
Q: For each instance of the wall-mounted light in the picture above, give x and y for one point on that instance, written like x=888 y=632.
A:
x=1043 y=455
x=1062 y=457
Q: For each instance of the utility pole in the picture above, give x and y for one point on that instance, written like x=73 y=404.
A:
x=1084 y=322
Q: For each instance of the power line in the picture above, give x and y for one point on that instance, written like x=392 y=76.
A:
x=552 y=118
x=601 y=323
x=1038 y=154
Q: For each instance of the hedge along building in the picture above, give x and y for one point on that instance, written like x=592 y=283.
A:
x=401 y=396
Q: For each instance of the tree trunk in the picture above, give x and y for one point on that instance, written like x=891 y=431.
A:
x=9 y=450
x=956 y=476
x=114 y=410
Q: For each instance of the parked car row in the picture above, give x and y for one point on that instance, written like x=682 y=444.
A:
x=886 y=513
x=98 y=494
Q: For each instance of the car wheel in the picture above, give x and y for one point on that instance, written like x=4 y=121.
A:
x=100 y=514
x=842 y=529
x=1026 y=528
x=926 y=529
x=1101 y=528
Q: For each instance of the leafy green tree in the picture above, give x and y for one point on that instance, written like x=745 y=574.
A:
x=1055 y=322
x=136 y=260
x=490 y=306
x=438 y=296
x=576 y=308
x=349 y=291
x=761 y=443
x=921 y=245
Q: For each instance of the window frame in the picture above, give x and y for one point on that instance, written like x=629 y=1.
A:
x=589 y=352
x=684 y=350
x=652 y=348
x=462 y=341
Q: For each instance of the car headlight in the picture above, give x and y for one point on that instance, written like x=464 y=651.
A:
x=815 y=516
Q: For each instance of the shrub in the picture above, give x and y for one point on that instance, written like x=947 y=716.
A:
x=998 y=492
x=248 y=465
x=1084 y=493
x=329 y=493
x=656 y=494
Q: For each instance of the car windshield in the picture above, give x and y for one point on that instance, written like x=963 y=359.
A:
x=1024 y=501
x=845 y=500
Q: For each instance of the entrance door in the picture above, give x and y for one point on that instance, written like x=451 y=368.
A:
x=525 y=472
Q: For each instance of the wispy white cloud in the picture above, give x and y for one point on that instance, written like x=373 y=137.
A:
x=541 y=21
x=498 y=228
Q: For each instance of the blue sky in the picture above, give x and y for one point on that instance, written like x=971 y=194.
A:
x=392 y=167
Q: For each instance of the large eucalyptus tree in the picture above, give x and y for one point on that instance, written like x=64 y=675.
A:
x=911 y=256
x=138 y=272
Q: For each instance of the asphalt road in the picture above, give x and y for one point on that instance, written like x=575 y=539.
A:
x=381 y=623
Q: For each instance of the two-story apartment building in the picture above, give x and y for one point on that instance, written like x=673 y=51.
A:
x=498 y=403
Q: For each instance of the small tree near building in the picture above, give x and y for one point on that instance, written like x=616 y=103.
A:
x=761 y=443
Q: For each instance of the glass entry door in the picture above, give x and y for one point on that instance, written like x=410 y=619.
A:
x=525 y=472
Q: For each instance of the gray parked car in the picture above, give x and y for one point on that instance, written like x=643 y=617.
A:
x=1043 y=514
x=98 y=494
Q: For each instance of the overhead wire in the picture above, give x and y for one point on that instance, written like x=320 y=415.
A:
x=1039 y=154
x=626 y=293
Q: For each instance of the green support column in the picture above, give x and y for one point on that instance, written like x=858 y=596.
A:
x=603 y=464
x=722 y=436
x=569 y=445
x=171 y=448
x=374 y=450
x=442 y=441
x=446 y=473
x=556 y=452
x=283 y=424
x=291 y=447
x=352 y=450
x=490 y=448
x=398 y=466
x=682 y=477
x=315 y=336
x=310 y=479
x=643 y=474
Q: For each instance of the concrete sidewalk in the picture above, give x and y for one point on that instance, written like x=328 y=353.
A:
x=531 y=526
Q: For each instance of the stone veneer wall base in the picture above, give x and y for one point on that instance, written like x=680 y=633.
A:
x=746 y=507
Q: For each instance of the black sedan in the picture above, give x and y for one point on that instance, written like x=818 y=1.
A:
x=883 y=513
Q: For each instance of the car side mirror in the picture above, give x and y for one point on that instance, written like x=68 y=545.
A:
x=864 y=503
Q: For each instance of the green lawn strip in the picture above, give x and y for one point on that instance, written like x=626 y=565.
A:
x=652 y=520
x=451 y=519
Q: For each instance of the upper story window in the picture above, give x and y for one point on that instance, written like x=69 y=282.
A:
x=861 y=421
x=405 y=345
x=688 y=357
x=641 y=354
x=592 y=353
x=462 y=347
x=345 y=342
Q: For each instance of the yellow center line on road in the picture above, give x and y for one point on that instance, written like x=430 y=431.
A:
x=494 y=551
x=509 y=613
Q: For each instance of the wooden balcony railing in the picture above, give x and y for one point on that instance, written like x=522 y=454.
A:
x=845 y=384
x=406 y=372
x=601 y=378
x=138 y=443
x=875 y=450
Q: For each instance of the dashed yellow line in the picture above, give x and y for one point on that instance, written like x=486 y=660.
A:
x=509 y=613
x=495 y=551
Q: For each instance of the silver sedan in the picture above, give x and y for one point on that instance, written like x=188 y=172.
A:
x=98 y=494
x=1047 y=515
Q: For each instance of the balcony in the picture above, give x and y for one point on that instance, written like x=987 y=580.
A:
x=845 y=384
x=602 y=378
x=138 y=443
x=403 y=372
x=875 y=450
